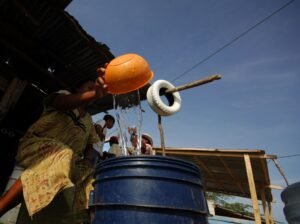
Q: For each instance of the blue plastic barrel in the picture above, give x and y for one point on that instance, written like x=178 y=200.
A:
x=148 y=189
x=291 y=197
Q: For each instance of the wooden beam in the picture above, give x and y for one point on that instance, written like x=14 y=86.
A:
x=26 y=12
x=213 y=153
x=248 y=151
x=271 y=213
x=265 y=208
x=281 y=171
x=276 y=187
x=252 y=189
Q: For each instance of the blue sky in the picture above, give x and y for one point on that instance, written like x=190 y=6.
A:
x=256 y=103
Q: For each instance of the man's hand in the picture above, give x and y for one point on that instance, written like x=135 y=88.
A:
x=100 y=86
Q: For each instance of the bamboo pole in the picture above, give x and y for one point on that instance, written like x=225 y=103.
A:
x=265 y=207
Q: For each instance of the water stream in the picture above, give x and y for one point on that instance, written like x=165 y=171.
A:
x=129 y=119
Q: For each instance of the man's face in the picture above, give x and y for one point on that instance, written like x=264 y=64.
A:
x=109 y=123
x=144 y=141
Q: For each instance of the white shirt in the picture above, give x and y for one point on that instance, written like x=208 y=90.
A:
x=115 y=149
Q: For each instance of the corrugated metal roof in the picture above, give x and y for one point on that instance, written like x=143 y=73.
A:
x=46 y=45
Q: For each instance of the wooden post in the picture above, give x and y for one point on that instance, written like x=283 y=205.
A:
x=271 y=213
x=252 y=189
x=265 y=207
x=280 y=171
x=162 y=138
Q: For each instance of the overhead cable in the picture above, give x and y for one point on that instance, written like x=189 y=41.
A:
x=232 y=41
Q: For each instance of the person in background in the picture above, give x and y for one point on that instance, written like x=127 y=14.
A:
x=132 y=150
x=114 y=146
x=101 y=127
x=55 y=153
x=147 y=144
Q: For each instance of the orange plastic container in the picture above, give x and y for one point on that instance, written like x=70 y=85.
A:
x=127 y=73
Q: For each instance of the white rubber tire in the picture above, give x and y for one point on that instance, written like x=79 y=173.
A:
x=156 y=103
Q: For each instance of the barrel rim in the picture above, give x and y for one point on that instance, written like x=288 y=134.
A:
x=109 y=178
x=150 y=158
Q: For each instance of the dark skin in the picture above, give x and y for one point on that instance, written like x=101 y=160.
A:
x=85 y=94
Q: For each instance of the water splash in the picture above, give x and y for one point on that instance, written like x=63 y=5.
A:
x=129 y=119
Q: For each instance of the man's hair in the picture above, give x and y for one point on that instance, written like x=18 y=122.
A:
x=113 y=140
x=109 y=117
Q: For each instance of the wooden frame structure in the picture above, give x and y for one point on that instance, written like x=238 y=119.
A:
x=241 y=173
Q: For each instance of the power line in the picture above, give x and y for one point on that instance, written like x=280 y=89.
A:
x=288 y=156
x=232 y=41
x=283 y=157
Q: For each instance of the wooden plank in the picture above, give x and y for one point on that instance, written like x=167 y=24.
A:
x=276 y=187
x=266 y=211
x=252 y=189
x=280 y=171
x=247 y=151
x=201 y=153
x=271 y=213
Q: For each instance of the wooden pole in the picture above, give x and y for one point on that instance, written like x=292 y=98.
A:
x=162 y=138
x=252 y=189
x=271 y=212
x=280 y=171
x=194 y=84
x=265 y=207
